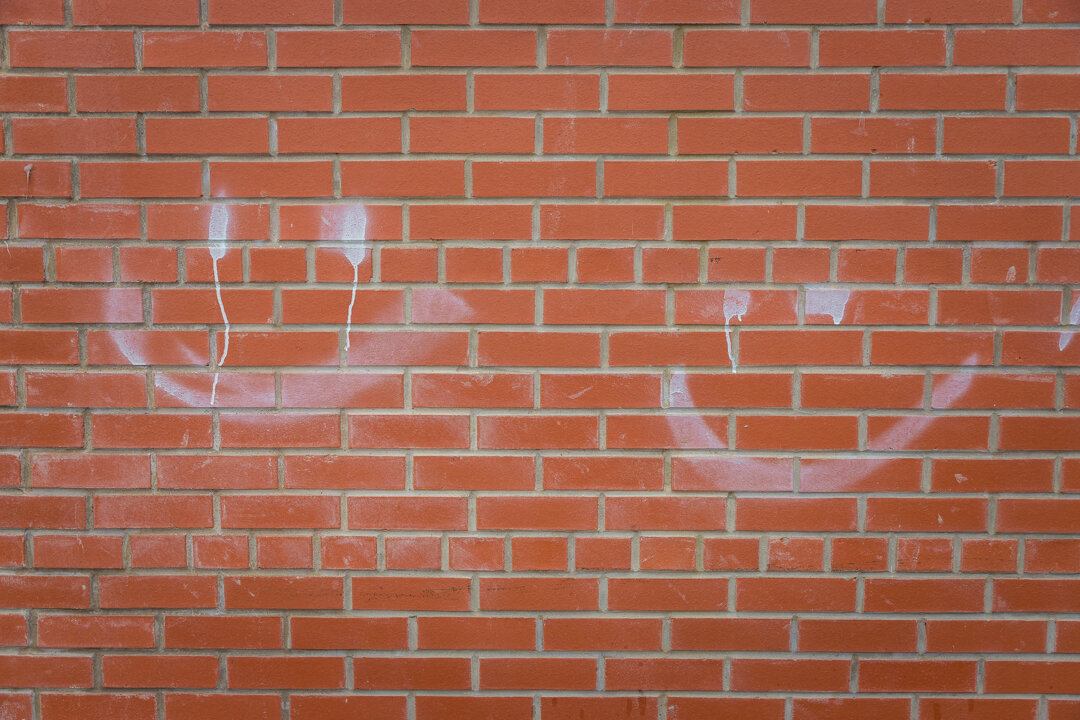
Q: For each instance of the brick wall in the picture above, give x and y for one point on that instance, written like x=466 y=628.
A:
x=539 y=359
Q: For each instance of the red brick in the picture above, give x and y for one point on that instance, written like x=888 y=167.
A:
x=432 y=707
x=482 y=633
x=272 y=12
x=857 y=635
x=33 y=94
x=137 y=93
x=923 y=595
x=158 y=591
x=795 y=594
x=472 y=48
x=90 y=471
x=73 y=135
x=942 y=92
x=917 y=676
x=204 y=49
x=323 y=48
x=46 y=671
x=808 y=675
x=609 y=47
x=959 y=11
x=471 y=135
x=589 y=135
x=97 y=706
x=198 y=632
x=108 y=632
x=323 y=633
x=536 y=92
x=403 y=92
x=32 y=12
x=543 y=673
x=806 y=92
x=404 y=593
x=73 y=551
x=1012 y=135
x=167 y=511
x=72 y=49
x=664 y=92
x=189 y=706
x=778 y=12
x=306 y=673
x=737 y=48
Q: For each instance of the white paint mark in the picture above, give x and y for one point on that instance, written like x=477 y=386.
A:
x=351 y=227
x=219 y=233
x=822 y=301
x=1074 y=319
x=579 y=393
x=960 y=478
x=679 y=391
x=736 y=303
x=911 y=427
x=1010 y=276
x=28 y=168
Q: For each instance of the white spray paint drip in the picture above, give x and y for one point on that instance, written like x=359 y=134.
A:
x=736 y=303
x=219 y=231
x=353 y=223
x=1074 y=319
x=827 y=302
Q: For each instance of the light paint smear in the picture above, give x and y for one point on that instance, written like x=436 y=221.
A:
x=219 y=232
x=133 y=346
x=736 y=303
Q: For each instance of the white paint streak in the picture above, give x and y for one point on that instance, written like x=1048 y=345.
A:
x=167 y=383
x=906 y=430
x=822 y=301
x=1074 y=319
x=1010 y=276
x=579 y=393
x=736 y=303
x=219 y=233
x=911 y=427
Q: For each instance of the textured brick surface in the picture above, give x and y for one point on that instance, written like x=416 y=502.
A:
x=539 y=359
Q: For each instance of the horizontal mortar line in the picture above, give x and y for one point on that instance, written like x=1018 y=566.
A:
x=557 y=411
x=600 y=24
x=1062 y=201
x=526 y=157
x=533 y=113
x=614 y=69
